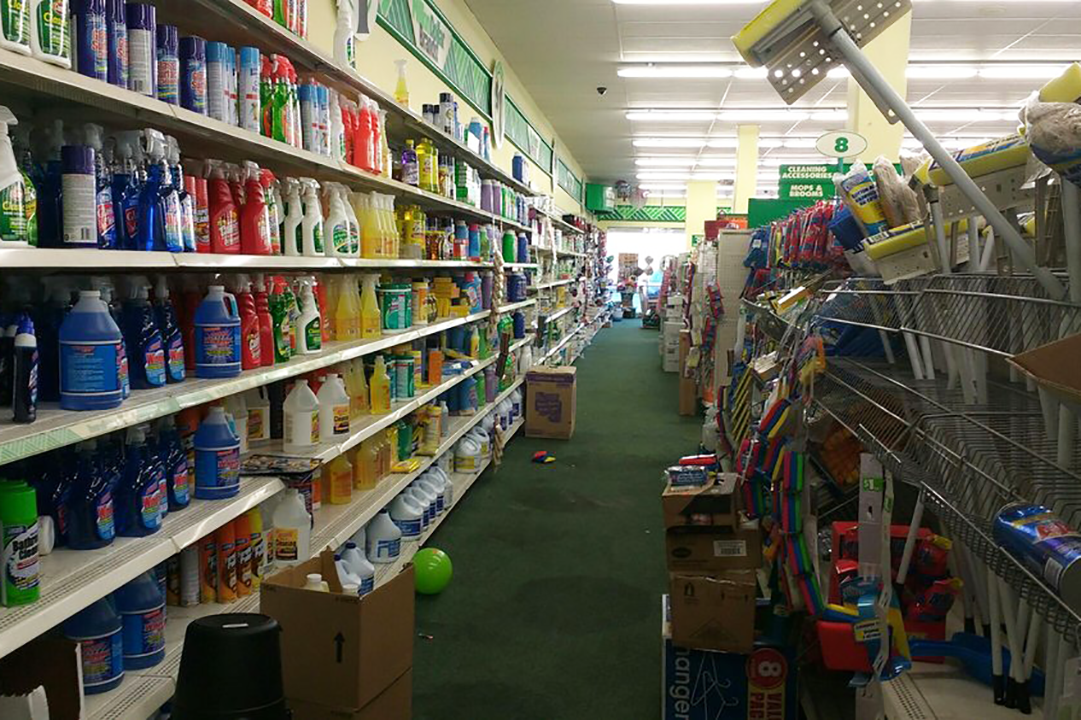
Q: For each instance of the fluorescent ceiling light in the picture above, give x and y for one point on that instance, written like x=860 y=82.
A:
x=670 y=176
x=722 y=142
x=713 y=177
x=665 y=161
x=940 y=72
x=774 y=160
x=716 y=161
x=802 y=143
x=671 y=115
x=750 y=73
x=837 y=73
x=1021 y=72
x=663 y=187
x=964 y=115
x=675 y=71
x=762 y=115
x=836 y=115
x=670 y=142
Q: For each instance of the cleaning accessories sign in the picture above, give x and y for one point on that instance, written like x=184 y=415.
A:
x=431 y=35
x=806 y=182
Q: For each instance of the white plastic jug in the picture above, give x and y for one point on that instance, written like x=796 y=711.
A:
x=359 y=567
x=408 y=515
x=384 y=539
x=344 y=576
x=333 y=408
x=504 y=410
x=483 y=439
x=292 y=530
x=516 y=405
x=434 y=486
x=525 y=360
x=427 y=500
x=301 y=411
x=467 y=455
x=448 y=484
x=314 y=582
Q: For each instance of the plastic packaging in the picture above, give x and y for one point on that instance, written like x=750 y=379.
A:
x=141 y=606
x=24 y=371
x=159 y=203
x=224 y=218
x=380 y=388
x=98 y=630
x=301 y=410
x=88 y=512
x=337 y=224
x=217 y=458
x=407 y=516
x=309 y=330
x=338 y=481
x=144 y=345
x=174 y=458
x=292 y=530
x=467 y=455
x=217 y=335
x=861 y=195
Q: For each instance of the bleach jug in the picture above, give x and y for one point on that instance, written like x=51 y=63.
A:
x=384 y=539
x=141 y=605
x=97 y=629
x=408 y=516
x=217 y=458
x=90 y=356
x=357 y=564
x=423 y=502
x=217 y=335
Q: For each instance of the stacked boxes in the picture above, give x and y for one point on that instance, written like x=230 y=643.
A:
x=670 y=345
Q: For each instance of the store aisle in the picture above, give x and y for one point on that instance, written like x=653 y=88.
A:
x=558 y=569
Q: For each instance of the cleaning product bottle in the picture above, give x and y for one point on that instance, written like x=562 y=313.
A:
x=15 y=28
x=401 y=89
x=217 y=457
x=407 y=516
x=24 y=372
x=141 y=606
x=426 y=160
x=338 y=481
x=346 y=321
x=217 y=335
x=224 y=219
x=292 y=530
x=146 y=350
x=344 y=41
x=90 y=45
x=365 y=465
x=380 y=387
x=309 y=331
x=354 y=223
x=78 y=212
x=250 y=335
x=410 y=165
x=186 y=201
x=159 y=206
x=266 y=323
x=208 y=569
x=337 y=224
x=254 y=218
x=334 y=408
x=236 y=411
x=175 y=460
x=98 y=630
x=19 y=552
x=104 y=286
x=257 y=544
x=289 y=299
x=282 y=325
x=13 y=215
x=90 y=354
x=138 y=497
x=293 y=238
x=30 y=193
x=126 y=190
x=88 y=513
x=301 y=418
x=384 y=539
x=311 y=229
x=354 y=560
x=358 y=391
x=243 y=552
x=370 y=319
x=168 y=64
x=258 y=404
x=50 y=31
x=337 y=129
x=106 y=217
x=171 y=336
x=225 y=541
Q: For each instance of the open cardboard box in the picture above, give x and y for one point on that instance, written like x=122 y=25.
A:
x=340 y=651
x=52 y=663
x=1054 y=367
x=713 y=504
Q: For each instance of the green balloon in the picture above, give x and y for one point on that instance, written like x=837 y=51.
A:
x=432 y=571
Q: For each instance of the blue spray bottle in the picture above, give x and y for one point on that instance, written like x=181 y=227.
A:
x=90 y=523
x=175 y=458
x=145 y=347
x=138 y=498
x=127 y=187
x=159 y=204
x=58 y=472
x=186 y=201
x=94 y=135
x=171 y=334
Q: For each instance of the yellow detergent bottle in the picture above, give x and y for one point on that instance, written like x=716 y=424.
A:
x=370 y=319
x=333 y=293
x=369 y=229
x=357 y=389
x=338 y=481
x=366 y=465
x=345 y=315
x=380 y=388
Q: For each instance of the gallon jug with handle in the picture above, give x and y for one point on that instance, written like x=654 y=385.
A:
x=217 y=335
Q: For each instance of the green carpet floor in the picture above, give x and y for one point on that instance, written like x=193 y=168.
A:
x=554 y=610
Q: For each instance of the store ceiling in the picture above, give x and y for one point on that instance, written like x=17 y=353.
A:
x=563 y=50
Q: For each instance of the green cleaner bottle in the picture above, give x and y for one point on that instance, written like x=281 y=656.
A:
x=12 y=188
x=19 y=544
x=30 y=192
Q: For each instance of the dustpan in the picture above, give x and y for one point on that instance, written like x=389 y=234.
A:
x=799 y=41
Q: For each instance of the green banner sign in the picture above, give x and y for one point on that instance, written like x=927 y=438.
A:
x=430 y=33
x=806 y=182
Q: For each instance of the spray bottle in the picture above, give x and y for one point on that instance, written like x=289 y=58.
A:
x=224 y=220
x=187 y=202
x=344 y=42
x=282 y=326
x=337 y=129
x=159 y=203
x=171 y=336
x=401 y=90
x=354 y=224
x=254 y=218
x=143 y=338
x=266 y=323
x=337 y=224
x=126 y=189
x=251 y=344
x=370 y=322
x=311 y=229
x=30 y=193
x=12 y=187
x=292 y=235
x=103 y=188
x=275 y=211
x=309 y=325
x=50 y=225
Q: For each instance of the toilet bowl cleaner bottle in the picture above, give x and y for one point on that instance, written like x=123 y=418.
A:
x=90 y=355
x=138 y=497
x=89 y=510
x=141 y=606
x=171 y=336
x=292 y=530
x=355 y=561
x=384 y=539
x=24 y=371
x=217 y=458
x=407 y=516
x=217 y=335
x=98 y=630
x=301 y=410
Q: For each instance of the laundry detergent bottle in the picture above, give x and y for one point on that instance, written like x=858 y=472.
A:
x=217 y=458
x=90 y=356
x=217 y=335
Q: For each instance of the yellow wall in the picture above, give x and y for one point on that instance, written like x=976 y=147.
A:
x=375 y=61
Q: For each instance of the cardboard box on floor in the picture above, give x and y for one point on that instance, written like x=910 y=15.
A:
x=52 y=663
x=551 y=396
x=340 y=651
x=708 y=550
x=709 y=685
x=714 y=612
x=394 y=703
x=713 y=505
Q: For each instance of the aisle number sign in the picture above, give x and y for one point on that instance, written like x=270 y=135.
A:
x=841 y=144
x=806 y=182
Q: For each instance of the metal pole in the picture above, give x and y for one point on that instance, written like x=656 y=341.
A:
x=861 y=66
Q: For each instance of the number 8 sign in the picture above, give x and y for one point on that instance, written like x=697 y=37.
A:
x=841 y=143
x=767 y=669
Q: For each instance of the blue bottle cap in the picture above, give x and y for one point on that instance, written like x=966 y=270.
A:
x=77 y=159
x=192 y=47
x=142 y=16
x=249 y=56
x=168 y=38
x=216 y=51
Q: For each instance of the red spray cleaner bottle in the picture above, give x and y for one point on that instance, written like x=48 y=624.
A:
x=189 y=303
x=321 y=298
x=266 y=322
x=224 y=221
x=254 y=219
x=251 y=346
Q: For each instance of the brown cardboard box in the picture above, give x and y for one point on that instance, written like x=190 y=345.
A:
x=1054 y=367
x=394 y=703
x=551 y=395
x=338 y=650
x=714 y=613
x=715 y=504
x=709 y=550
x=52 y=663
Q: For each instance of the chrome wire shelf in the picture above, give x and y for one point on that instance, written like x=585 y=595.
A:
x=869 y=302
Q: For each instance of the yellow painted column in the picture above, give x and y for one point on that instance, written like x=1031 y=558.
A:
x=746 y=167
x=889 y=53
x=701 y=206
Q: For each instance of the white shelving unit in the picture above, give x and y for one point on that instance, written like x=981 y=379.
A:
x=552 y=284
x=511 y=307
